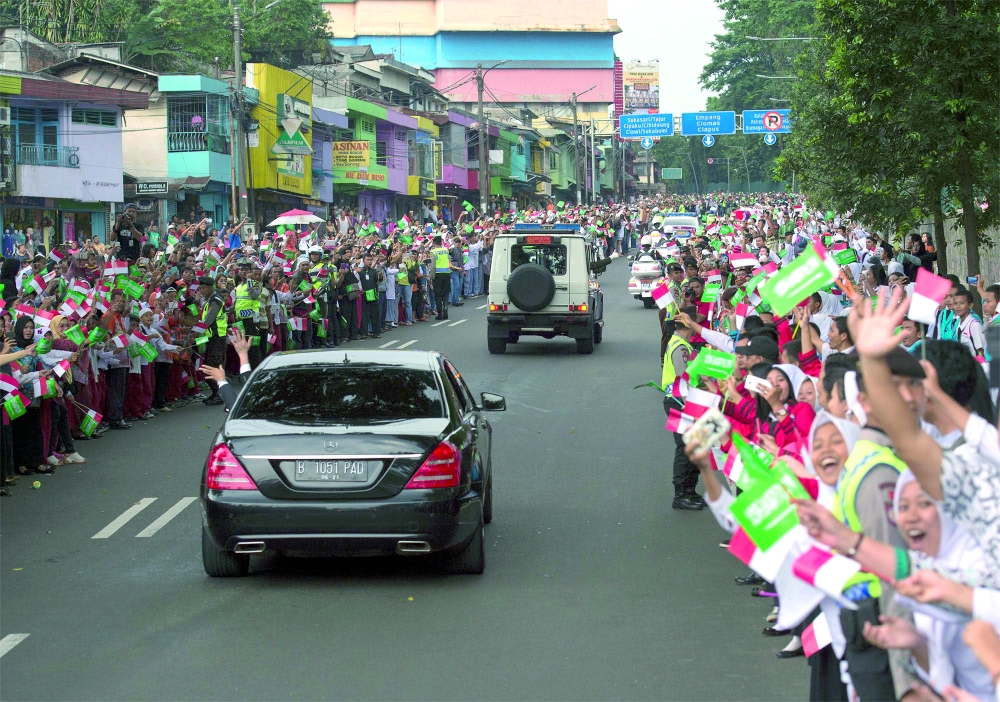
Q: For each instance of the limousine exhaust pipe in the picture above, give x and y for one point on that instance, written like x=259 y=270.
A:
x=249 y=547
x=409 y=548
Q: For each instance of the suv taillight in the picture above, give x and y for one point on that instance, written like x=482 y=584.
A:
x=225 y=472
x=442 y=469
x=497 y=308
x=577 y=308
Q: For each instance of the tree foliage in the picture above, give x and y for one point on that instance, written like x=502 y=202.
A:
x=180 y=35
x=897 y=112
x=736 y=63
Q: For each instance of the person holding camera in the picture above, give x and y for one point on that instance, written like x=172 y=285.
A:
x=128 y=233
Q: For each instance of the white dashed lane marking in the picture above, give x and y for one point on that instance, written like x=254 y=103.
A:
x=162 y=520
x=388 y=344
x=124 y=518
x=455 y=324
x=10 y=641
x=408 y=343
x=438 y=324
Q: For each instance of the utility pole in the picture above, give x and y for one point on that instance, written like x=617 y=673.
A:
x=576 y=150
x=484 y=161
x=593 y=163
x=238 y=144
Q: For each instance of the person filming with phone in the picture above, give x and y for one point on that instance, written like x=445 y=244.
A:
x=128 y=233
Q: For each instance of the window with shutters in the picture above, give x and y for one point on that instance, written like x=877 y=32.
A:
x=96 y=118
x=380 y=152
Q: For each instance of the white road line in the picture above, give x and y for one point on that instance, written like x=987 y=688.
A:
x=408 y=343
x=10 y=641
x=483 y=307
x=388 y=344
x=438 y=324
x=124 y=518
x=162 y=520
x=455 y=324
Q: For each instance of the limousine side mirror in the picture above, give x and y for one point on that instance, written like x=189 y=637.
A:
x=493 y=403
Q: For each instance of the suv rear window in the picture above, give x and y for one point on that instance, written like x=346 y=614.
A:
x=341 y=395
x=551 y=257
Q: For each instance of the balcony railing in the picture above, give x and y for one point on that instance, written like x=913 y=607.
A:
x=42 y=155
x=197 y=141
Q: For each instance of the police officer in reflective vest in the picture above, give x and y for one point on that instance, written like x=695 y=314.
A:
x=442 y=277
x=248 y=308
x=864 y=503
x=213 y=314
x=675 y=362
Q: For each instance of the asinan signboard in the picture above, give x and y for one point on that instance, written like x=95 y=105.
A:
x=348 y=154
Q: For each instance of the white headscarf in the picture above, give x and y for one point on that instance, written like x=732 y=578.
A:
x=795 y=375
x=951 y=661
x=849 y=430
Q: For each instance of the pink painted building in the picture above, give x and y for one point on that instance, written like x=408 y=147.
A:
x=549 y=50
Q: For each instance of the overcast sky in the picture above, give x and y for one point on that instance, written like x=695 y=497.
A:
x=677 y=33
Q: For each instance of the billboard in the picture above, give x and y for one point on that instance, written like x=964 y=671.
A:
x=347 y=154
x=641 y=83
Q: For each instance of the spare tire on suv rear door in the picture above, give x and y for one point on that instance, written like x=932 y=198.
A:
x=531 y=287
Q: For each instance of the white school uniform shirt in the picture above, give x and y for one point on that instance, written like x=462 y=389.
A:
x=970 y=333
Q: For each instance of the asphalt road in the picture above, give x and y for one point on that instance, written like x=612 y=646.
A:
x=594 y=587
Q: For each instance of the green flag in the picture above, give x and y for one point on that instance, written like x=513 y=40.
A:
x=846 y=256
x=75 y=334
x=467 y=205
x=14 y=407
x=765 y=512
x=96 y=335
x=711 y=292
x=713 y=363
x=797 y=281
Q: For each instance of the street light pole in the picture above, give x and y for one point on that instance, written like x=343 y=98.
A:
x=484 y=166
x=593 y=163
x=576 y=150
x=237 y=149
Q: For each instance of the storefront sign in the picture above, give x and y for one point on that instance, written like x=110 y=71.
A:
x=427 y=188
x=291 y=144
x=351 y=154
x=363 y=175
x=151 y=187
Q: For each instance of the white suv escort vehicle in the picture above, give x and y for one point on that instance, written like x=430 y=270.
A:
x=543 y=283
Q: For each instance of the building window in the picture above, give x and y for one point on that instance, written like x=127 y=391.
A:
x=380 y=152
x=520 y=148
x=97 y=118
x=553 y=160
x=366 y=126
x=198 y=123
x=36 y=127
x=400 y=134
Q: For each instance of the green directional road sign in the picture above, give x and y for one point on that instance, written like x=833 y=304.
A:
x=671 y=174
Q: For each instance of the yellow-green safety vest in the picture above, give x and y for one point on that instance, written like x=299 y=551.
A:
x=245 y=307
x=669 y=372
x=864 y=457
x=441 y=260
x=220 y=320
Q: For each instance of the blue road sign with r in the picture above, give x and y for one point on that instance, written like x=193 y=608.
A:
x=708 y=140
x=770 y=139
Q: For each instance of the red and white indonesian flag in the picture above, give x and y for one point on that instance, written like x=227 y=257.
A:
x=742 y=312
x=817 y=635
x=79 y=285
x=742 y=260
x=120 y=341
x=137 y=337
x=825 y=570
x=713 y=276
x=662 y=297
x=69 y=308
x=43 y=318
x=61 y=368
x=671 y=249
x=297 y=323
x=8 y=383
x=115 y=268
x=767 y=563
x=697 y=403
x=928 y=292
x=56 y=256
x=733 y=467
